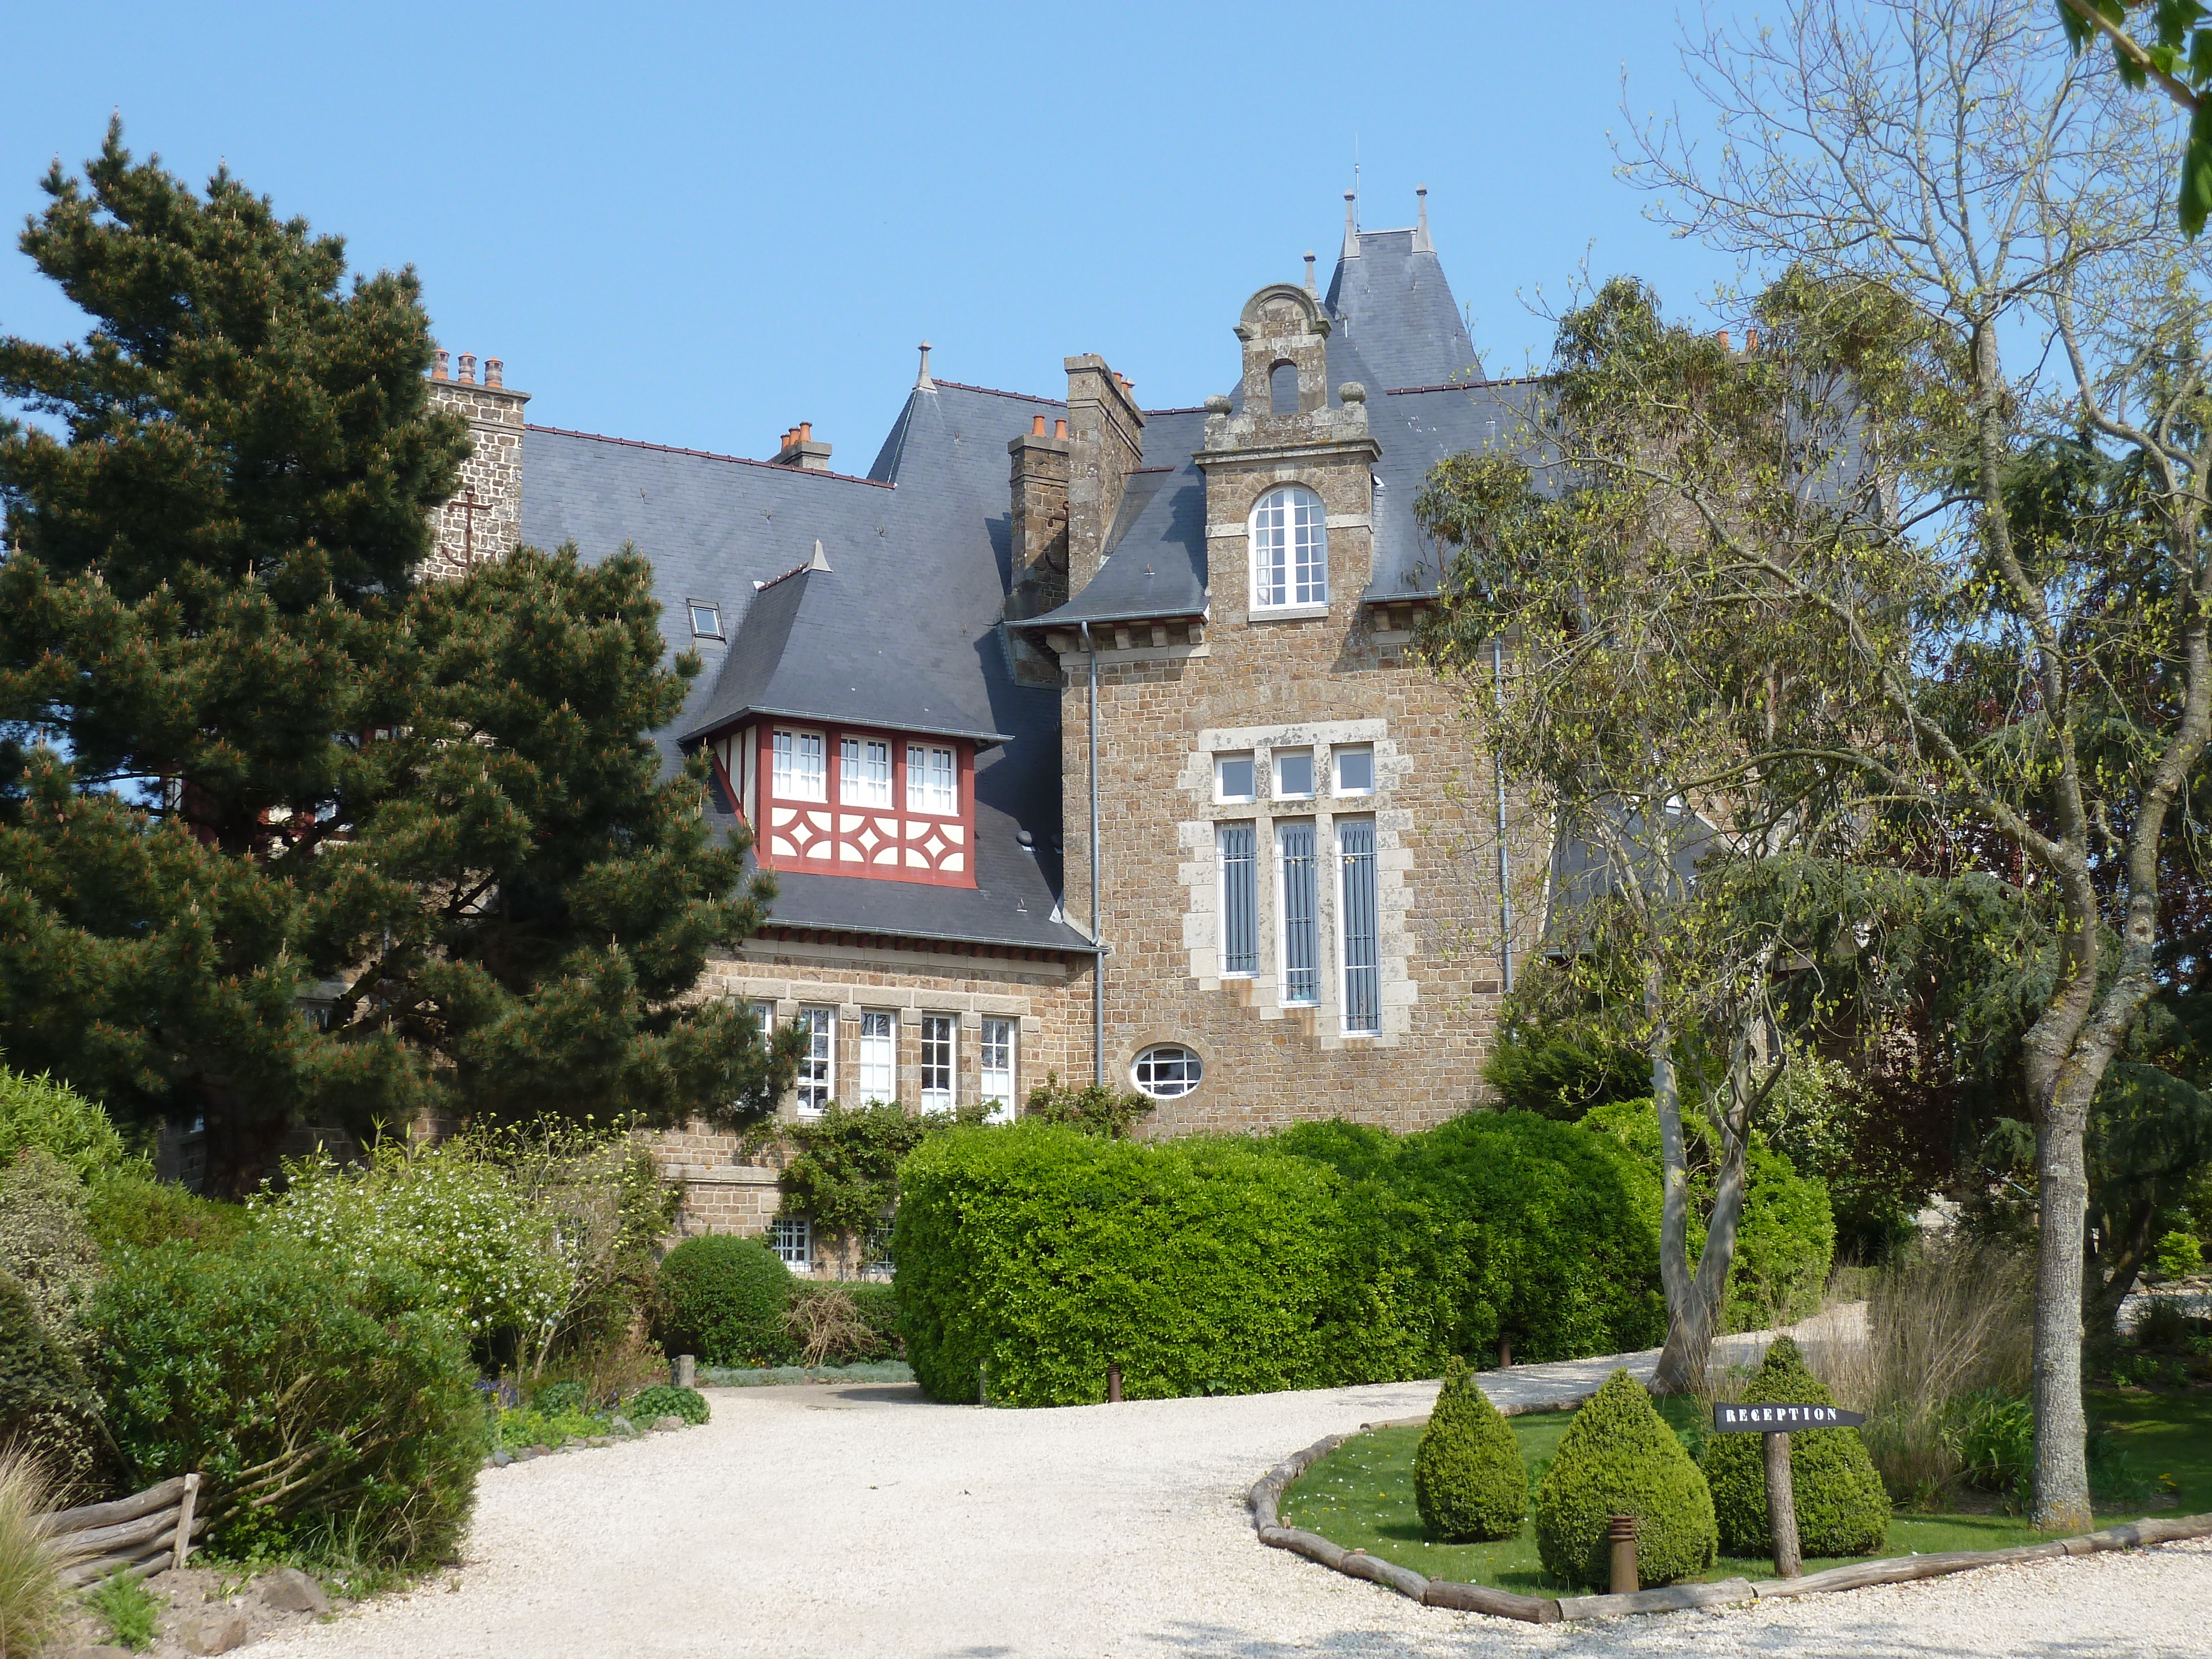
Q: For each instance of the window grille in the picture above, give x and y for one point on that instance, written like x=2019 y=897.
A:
x=817 y=1066
x=878 y=1054
x=932 y=785
x=1290 y=549
x=792 y=1237
x=795 y=769
x=937 y=1062
x=1363 y=974
x=997 y=1063
x=865 y=768
x=1240 y=942
x=1294 y=854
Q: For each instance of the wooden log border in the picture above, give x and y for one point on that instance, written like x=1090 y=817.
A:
x=1266 y=1498
x=132 y=1537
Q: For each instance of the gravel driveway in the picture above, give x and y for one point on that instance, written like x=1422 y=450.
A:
x=862 y=1522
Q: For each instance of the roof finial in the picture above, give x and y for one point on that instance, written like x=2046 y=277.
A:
x=1421 y=242
x=1309 y=277
x=1350 y=226
x=821 y=560
x=922 y=381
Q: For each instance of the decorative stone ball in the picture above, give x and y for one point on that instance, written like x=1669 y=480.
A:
x=1218 y=404
x=1351 y=392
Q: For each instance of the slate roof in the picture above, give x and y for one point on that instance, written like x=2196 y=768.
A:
x=904 y=626
x=1398 y=332
x=918 y=559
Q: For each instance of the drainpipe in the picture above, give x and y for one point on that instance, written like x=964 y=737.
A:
x=1098 y=946
x=1505 y=890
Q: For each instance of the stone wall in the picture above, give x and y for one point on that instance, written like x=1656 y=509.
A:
x=484 y=519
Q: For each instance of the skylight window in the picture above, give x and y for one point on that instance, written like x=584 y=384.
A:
x=706 y=620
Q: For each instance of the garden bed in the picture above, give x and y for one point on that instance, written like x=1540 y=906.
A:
x=1360 y=1496
x=758 y=1377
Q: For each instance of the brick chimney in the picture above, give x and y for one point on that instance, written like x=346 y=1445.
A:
x=1106 y=436
x=801 y=449
x=1038 y=484
x=483 y=518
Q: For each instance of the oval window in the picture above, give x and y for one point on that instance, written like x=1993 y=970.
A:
x=1166 y=1070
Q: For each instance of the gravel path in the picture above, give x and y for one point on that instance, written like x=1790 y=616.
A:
x=853 y=1522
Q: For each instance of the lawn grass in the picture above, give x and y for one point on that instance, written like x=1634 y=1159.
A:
x=1361 y=1495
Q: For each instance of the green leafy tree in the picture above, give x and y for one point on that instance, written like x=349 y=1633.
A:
x=241 y=752
x=2177 y=57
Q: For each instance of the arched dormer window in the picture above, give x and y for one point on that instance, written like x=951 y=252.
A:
x=1290 y=550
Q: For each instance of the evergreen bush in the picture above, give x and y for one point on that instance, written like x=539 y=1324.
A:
x=47 y=1405
x=1618 y=1457
x=1842 y=1506
x=724 y=1299
x=324 y=1406
x=665 y=1400
x=1468 y=1479
x=44 y=1244
x=130 y=1207
x=41 y=1112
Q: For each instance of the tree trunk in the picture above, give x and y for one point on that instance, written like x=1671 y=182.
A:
x=2062 y=1470
x=1674 y=1192
x=1694 y=1321
x=2112 y=1271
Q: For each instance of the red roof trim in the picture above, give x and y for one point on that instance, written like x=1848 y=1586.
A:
x=993 y=392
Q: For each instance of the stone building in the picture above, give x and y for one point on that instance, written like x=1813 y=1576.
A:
x=1082 y=738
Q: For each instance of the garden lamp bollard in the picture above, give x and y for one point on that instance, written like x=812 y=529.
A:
x=682 y=1370
x=1775 y=1421
x=1113 y=1382
x=1621 y=1533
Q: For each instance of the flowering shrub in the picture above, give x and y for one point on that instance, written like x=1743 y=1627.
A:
x=514 y=1230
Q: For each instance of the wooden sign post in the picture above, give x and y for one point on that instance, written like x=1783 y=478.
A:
x=1775 y=1422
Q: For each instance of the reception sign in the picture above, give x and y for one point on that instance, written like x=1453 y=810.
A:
x=1751 y=1418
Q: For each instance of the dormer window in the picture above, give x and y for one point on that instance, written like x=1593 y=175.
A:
x=796 y=771
x=706 y=620
x=932 y=779
x=1290 y=550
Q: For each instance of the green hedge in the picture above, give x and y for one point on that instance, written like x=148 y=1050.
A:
x=1031 y=1255
x=1326 y=1255
x=724 y=1299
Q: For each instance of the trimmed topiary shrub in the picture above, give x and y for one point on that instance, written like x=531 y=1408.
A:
x=665 y=1400
x=1618 y=1457
x=1842 y=1506
x=325 y=1407
x=1029 y=1256
x=724 y=1299
x=47 y=1405
x=1468 y=1479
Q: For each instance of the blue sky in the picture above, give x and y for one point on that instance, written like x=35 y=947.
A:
x=698 y=226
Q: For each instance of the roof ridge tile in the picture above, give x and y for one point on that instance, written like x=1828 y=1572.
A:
x=709 y=455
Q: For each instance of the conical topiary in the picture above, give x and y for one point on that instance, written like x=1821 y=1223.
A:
x=1618 y=1457
x=1842 y=1506
x=1468 y=1479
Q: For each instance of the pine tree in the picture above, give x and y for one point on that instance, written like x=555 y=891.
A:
x=240 y=751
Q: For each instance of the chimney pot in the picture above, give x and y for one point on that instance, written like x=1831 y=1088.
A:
x=468 y=374
x=1060 y=430
x=805 y=432
x=1751 y=339
x=1036 y=427
x=437 y=361
x=1724 y=341
x=494 y=372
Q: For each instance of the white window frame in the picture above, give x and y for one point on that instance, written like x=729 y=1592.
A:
x=1287 y=532
x=864 y=771
x=1188 y=1070
x=1275 y=759
x=816 y=1080
x=940 y=1062
x=798 y=767
x=878 y=1054
x=792 y=1238
x=932 y=779
x=713 y=613
x=996 y=1054
x=1336 y=758
x=1222 y=791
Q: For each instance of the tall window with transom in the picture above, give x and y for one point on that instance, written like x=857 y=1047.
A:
x=1294 y=859
x=1240 y=932
x=937 y=1062
x=1290 y=550
x=878 y=1054
x=864 y=768
x=997 y=1065
x=817 y=1066
x=1363 y=973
